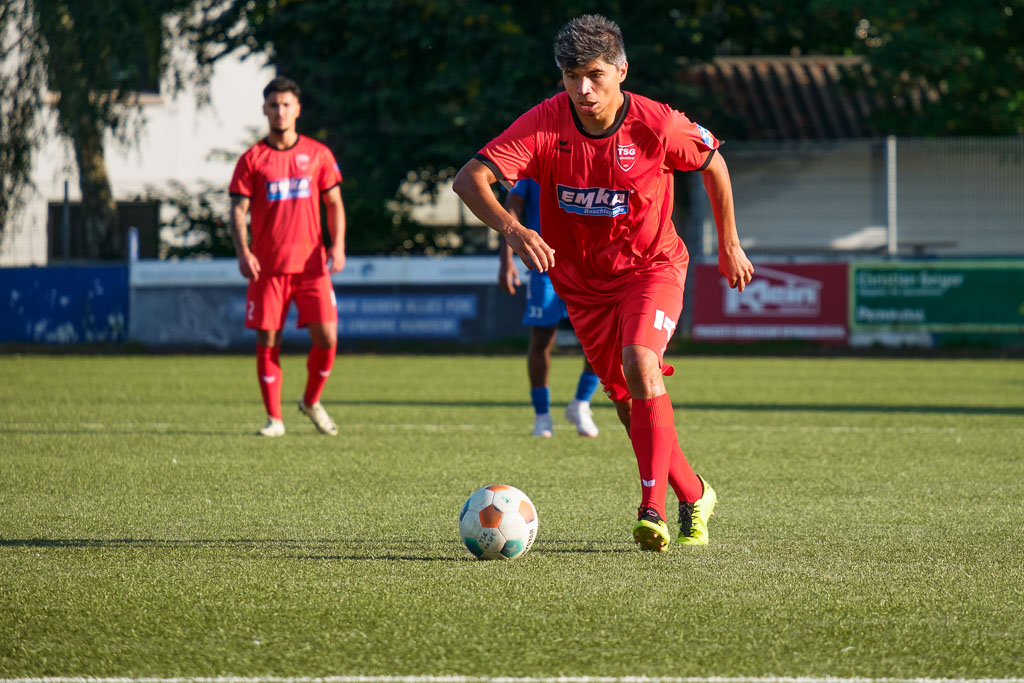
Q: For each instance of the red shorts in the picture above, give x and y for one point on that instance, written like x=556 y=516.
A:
x=267 y=301
x=644 y=313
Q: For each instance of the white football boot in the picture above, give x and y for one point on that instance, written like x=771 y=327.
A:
x=542 y=426
x=274 y=427
x=579 y=413
x=319 y=417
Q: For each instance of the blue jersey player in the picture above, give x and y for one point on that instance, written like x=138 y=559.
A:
x=544 y=310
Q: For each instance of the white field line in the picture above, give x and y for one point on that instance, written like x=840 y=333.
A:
x=100 y=427
x=503 y=679
x=517 y=428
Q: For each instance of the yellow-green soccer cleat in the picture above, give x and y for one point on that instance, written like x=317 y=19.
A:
x=650 y=531
x=693 y=517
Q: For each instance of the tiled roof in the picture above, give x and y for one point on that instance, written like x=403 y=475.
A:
x=791 y=98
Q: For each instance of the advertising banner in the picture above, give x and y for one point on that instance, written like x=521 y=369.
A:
x=783 y=301
x=64 y=304
x=380 y=299
x=984 y=297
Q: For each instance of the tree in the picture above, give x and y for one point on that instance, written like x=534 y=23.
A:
x=199 y=224
x=405 y=92
x=94 y=57
x=948 y=68
x=23 y=69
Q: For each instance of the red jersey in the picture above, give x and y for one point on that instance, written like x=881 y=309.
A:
x=606 y=200
x=284 y=187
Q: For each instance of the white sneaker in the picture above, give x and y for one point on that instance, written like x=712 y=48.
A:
x=319 y=416
x=579 y=413
x=274 y=427
x=542 y=425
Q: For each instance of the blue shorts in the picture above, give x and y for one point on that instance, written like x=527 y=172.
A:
x=543 y=307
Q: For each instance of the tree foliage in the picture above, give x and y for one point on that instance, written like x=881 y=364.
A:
x=198 y=224
x=93 y=58
x=946 y=68
x=406 y=92
x=23 y=68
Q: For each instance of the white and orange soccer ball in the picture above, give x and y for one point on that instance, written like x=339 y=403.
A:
x=498 y=522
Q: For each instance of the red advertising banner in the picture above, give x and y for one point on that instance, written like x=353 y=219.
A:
x=783 y=301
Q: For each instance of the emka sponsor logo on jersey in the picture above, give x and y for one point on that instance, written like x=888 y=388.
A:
x=287 y=188
x=625 y=155
x=592 y=201
x=774 y=293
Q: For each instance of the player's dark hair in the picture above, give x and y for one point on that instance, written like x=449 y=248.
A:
x=587 y=38
x=282 y=84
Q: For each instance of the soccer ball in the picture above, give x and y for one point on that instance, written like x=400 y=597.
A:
x=498 y=522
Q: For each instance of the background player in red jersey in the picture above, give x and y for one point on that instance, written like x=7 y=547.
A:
x=604 y=160
x=282 y=179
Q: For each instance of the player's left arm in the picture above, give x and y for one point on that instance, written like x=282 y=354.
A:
x=733 y=263
x=336 y=228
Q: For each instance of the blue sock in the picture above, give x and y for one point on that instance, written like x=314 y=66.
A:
x=541 y=397
x=587 y=385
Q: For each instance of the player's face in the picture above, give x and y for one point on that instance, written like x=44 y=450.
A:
x=281 y=110
x=594 y=88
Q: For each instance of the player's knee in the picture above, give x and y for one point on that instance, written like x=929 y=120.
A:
x=542 y=339
x=268 y=338
x=324 y=336
x=642 y=370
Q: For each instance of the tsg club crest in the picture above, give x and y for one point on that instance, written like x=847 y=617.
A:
x=302 y=161
x=625 y=155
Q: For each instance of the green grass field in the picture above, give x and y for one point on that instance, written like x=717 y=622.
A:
x=870 y=523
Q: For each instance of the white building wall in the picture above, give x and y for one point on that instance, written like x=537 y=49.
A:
x=174 y=145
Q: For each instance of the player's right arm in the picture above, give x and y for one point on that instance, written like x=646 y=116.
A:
x=473 y=185
x=248 y=264
x=733 y=263
x=691 y=147
x=508 y=274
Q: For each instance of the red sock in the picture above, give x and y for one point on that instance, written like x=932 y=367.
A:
x=318 y=369
x=653 y=433
x=268 y=371
x=683 y=479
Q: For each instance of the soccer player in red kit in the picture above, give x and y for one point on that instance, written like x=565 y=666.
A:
x=604 y=160
x=282 y=180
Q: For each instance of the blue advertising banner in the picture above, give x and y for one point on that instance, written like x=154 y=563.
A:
x=383 y=302
x=64 y=304
x=387 y=316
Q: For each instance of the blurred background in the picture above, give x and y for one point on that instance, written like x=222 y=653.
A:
x=875 y=148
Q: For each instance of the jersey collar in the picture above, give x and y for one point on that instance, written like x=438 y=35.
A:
x=266 y=143
x=616 y=124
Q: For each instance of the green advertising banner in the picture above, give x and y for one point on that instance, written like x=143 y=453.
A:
x=984 y=297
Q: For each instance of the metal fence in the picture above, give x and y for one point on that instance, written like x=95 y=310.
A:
x=948 y=197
